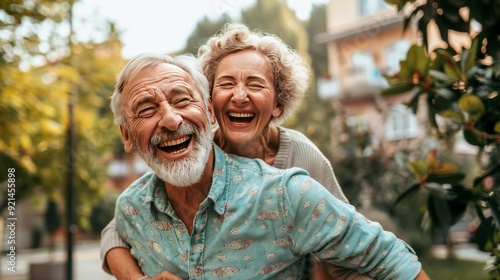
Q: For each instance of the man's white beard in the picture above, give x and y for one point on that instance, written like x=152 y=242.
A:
x=184 y=172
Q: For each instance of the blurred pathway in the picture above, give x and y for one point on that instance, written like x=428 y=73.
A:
x=86 y=262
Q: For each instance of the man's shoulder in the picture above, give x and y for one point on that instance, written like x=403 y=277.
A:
x=261 y=168
x=257 y=170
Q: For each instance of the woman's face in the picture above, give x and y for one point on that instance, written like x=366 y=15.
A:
x=244 y=96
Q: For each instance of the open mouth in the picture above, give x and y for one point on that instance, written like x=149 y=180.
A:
x=175 y=146
x=240 y=118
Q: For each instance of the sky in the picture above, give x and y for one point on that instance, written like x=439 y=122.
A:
x=144 y=23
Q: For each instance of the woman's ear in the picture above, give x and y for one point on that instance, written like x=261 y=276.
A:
x=277 y=111
x=129 y=147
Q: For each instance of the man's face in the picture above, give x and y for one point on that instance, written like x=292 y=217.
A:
x=168 y=123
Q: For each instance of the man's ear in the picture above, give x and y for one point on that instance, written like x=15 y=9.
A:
x=211 y=112
x=126 y=139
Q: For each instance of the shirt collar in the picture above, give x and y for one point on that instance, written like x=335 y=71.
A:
x=220 y=180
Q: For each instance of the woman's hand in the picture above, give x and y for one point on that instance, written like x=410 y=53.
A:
x=165 y=275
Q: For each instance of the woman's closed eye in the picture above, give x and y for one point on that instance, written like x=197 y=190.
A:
x=256 y=86
x=225 y=85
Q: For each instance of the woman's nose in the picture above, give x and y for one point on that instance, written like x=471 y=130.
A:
x=239 y=95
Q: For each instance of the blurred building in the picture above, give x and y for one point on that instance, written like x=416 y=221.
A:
x=124 y=169
x=365 y=41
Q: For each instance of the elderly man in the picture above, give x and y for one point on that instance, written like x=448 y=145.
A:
x=206 y=214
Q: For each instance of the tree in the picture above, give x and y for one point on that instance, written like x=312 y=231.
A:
x=39 y=66
x=29 y=105
x=460 y=88
x=276 y=17
x=33 y=31
x=203 y=31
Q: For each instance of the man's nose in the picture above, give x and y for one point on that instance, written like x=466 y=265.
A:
x=170 y=119
x=239 y=95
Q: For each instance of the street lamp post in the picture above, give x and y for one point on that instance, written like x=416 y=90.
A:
x=70 y=186
x=71 y=150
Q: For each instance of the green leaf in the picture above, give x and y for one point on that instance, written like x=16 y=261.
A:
x=410 y=191
x=468 y=57
x=439 y=212
x=443 y=77
x=449 y=178
x=436 y=188
x=398 y=88
x=482 y=234
x=438 y=63
x=445 y=213
x=405 y=72
x=417 y=60
x=450 y=66
x=418 y=168
x=413 y=104
x=452 y=69
x=457 y=117
x=473 y=138
x=445 y=93
x=444 y=100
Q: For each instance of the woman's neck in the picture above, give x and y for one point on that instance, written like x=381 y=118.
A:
x=264 y=147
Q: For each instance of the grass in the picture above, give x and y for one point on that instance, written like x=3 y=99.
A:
x=453 y=269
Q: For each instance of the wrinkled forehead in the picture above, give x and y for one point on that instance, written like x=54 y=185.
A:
x=164 y=74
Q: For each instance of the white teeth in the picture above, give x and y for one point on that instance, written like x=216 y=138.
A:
x=241 y=115
x=179 y=151
x=174 y=142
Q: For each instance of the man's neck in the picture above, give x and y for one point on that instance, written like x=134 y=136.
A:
x=186 y=200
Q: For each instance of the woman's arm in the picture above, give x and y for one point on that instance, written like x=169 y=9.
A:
x=422 y=276
x=115 y=255
x=123 y=265
x=118 y=261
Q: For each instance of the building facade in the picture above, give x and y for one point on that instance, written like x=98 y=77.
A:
x=365 y=41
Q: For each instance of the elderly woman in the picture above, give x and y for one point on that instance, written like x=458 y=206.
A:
x=256 y=82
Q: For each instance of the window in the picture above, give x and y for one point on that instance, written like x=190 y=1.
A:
x=400 y=123
x=395 y=53
x=369 y=7
x=140 y=167
x=118 y=168
x=362 y=60
x=363 y=71
x=357 y=124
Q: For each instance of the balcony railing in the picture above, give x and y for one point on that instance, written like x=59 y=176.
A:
x=361 y=82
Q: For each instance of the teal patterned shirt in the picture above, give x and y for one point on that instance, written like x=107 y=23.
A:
x=258 y=222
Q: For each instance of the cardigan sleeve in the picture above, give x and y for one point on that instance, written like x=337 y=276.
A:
x=109 y=240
